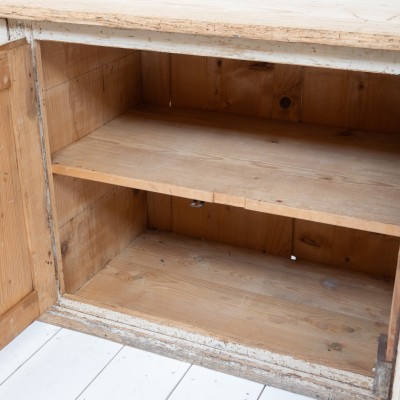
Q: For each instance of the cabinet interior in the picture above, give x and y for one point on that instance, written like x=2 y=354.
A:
x=135 y=136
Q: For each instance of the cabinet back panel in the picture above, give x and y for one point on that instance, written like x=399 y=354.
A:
x=220 y=223
x=348 y=99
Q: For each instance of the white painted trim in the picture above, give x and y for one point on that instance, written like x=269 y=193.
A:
x=3 y=31
x=237 y=48
x=275 y=369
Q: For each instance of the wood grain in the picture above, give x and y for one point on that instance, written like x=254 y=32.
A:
x=28 y=142
x=233 y=86
x=156 y=78
x=65 y=61
x=99 y=233
x=18 y=318
x=294 y=171
x=354 y=24
x=352 y=100
x=346 y=248
x=4 y=73
x=15 y=263
x=231 y=225
x=222 y=291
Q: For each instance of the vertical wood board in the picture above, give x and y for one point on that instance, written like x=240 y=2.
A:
x=352 y=249
x=220 y=223
x=99 y=233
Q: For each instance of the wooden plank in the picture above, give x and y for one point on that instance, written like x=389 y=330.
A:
x=31 y=163
x=78 y=106
x=271 y=393
x=197 y=291
x=15 y=262
x=238 y=87
x=18 y=318
x=288 y=88
x=57 y=365
x=339 y=57
x=298 y=164
x=64 y=61
x=73 y=196
x=156 y=78
x=356 y=24
x=24 y=346
x=394 y=326
x=99 y=233
x=231 y=225
x=134 y=373
x=351 y=100
x=4 y=74
x=249 y=363
x=204 y=384
x=346 y=248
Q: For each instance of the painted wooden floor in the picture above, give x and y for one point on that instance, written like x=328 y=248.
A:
x=46 y=362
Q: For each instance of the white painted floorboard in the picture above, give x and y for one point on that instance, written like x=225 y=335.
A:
x=136 y=374
x=270 y=393
x=62 y=369
x=24 y=346
x=49 y=363
x=204 y=384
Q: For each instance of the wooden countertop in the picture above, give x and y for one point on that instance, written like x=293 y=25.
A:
x=371 y=24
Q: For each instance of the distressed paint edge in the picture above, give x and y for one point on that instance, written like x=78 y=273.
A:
x=356 y=59
x=274 y=360
x=3 y=31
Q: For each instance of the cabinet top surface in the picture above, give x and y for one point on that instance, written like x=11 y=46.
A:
x=351 y=23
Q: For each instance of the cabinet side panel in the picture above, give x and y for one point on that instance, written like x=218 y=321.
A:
x=83 y=87
x=91 y=239
x=346 y=248
x=220 y=223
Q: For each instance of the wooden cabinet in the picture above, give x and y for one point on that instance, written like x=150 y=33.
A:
x=237 y=212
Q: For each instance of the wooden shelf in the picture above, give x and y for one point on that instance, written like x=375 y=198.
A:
x=329 y=316
x=327 y=175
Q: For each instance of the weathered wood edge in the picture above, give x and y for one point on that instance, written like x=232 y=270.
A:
x=357 y=59
x=265 y=367
x=351 y=36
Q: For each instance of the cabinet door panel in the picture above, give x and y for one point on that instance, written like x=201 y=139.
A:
x=27 y=282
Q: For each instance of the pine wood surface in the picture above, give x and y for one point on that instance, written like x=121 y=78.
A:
x=329 y=317
x=217 y=222
x=356 y=23
x=99 y=233
x=18 y=318
x=302 y=171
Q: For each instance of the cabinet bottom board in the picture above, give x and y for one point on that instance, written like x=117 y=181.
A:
x=322 y=315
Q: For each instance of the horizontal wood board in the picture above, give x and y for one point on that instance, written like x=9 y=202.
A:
x=303 y=171
x=356 y=23
x=329 y=317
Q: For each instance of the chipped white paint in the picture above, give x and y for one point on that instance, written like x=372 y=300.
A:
x=3 y=31
x=263 y=366
x=347 y=58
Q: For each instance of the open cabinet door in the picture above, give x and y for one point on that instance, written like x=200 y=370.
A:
x=27 y=277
